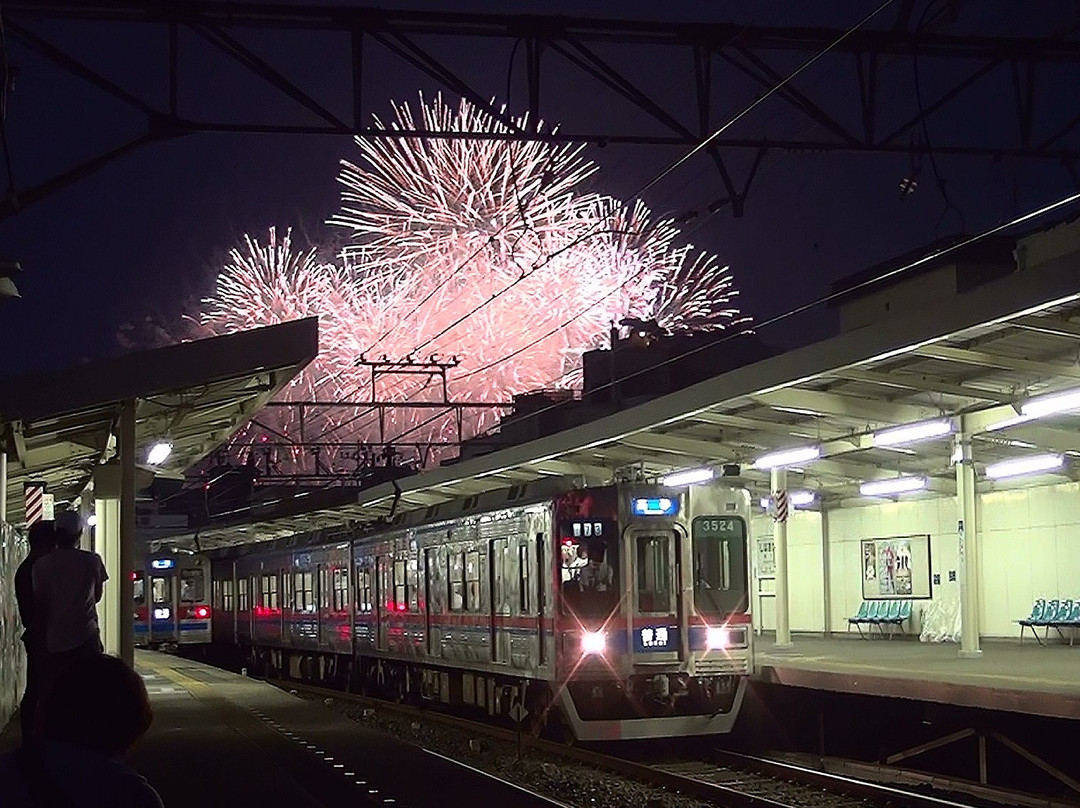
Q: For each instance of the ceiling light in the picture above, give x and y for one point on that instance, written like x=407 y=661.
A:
x=159 y=453
x=687 y=477
x=910 y=433
x=1007 y=422
x=896 y=485
x=91 y=520
x=797 y=499
x=788 y=457
x=1033 y=464
x=1050 y=404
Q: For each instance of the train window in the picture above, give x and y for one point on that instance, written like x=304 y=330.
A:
x=401 y=589
x=242 y=595
x=457 y=582
x=324 y=587
x=270 y=591
x=192 y=586
x=363 y=590
x=139 y=586
x=653 y=574
x=472 y=582
x=523 y=579
x=341 y=589
x=412 y=572
x=227 y=594
x=720 y=576
x=161 y=590
x=500 y=584
x=303 y=592
x=589 y=570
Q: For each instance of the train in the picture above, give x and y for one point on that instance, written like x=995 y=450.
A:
x=172 y=600
x=605 y=613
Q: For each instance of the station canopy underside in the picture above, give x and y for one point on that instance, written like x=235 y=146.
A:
x=979 y=354
x=59 y=427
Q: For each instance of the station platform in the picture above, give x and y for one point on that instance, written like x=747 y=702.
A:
x=223 y=739
x=1027 y=678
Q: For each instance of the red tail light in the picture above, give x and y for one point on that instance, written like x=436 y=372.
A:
x=202 y=612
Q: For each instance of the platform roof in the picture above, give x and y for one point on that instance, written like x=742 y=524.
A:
x=58 y=426
x=979 y=354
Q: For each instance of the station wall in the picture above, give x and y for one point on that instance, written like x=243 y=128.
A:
x=1029 y=540
x=12 y=656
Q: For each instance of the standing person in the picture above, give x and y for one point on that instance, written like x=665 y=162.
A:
x=42 y=540
x=68 y=583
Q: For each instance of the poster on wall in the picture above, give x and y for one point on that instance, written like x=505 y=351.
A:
x=896 y=567
x=766 y=557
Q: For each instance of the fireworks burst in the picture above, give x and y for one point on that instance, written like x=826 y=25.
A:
x=488 y=250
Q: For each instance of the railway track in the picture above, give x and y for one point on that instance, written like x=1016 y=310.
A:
x=730 y=780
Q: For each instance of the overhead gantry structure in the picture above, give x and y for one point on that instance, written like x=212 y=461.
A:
x=877 y=104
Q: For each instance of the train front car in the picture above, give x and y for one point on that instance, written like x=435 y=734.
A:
x=172 y=600
x=653 y=610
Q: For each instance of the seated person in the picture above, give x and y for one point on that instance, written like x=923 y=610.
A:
x=97 y=711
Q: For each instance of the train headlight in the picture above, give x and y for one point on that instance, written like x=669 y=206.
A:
x=716 y=638
x=593 y=642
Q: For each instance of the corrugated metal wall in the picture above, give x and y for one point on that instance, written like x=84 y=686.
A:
x=13 y=549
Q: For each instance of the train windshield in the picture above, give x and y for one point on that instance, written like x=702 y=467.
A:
x=720 y=575
x=589 y=567
x=191 y=586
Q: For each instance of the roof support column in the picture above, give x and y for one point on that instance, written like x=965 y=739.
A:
x=780 y=523
x=967 y=535
x=826 y=572
x=107 y=545
x=126 y=446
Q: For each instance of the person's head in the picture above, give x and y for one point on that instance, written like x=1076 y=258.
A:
x=42 y=536
x=98 y=703
x=68 y=529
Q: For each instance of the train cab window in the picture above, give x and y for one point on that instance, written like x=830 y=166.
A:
x=589 y=567
x=192 y=586
x=653 y=574
x=457 y=582
x=161 y=590
x=138 y=584
x=720 y=576
x=472 y=582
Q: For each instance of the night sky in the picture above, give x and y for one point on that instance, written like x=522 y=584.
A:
x=140 y=238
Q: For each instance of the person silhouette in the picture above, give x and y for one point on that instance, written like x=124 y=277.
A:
x=95 y=714
x=42 y=538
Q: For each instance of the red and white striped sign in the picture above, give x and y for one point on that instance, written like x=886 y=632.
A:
x=34 y=495
x=780 y=507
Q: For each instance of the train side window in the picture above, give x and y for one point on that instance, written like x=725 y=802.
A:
x=242 y=595
x=139 y=587
x=523 y=579
x=161 y=590
x=227 y=594
x=324 y=587
x=192 y=586
x=364 y=599
x=307 y=593
x=341 y=589
x=412 y=572
x=500 y=563
x=457 y=582
x=401 y=589
x=472 y=581
x=270 y=591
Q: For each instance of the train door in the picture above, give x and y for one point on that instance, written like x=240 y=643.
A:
x=431 y=578
x=384 y=566
x=142 y=612
x=163 y=611
x=499 y=586
x=655 y=623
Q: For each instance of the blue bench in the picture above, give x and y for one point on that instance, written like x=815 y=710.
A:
x=1054 y=614
x=881 y=613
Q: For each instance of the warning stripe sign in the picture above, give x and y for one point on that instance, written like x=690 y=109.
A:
x=780 y=498
x=34 y=496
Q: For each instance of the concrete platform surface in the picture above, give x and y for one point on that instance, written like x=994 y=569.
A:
x=1044 y=680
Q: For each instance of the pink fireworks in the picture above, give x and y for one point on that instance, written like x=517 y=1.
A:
x=490 y=251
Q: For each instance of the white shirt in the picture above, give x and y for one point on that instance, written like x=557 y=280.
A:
x=67 y=585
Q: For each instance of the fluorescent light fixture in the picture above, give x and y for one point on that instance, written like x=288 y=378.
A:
x=797 y=499
x=1040 y=406
x=896 y=485
x=788 y=457
x=159 y=453
x=91 y=520
x=1033 y=464
x=1007 y=422
x=687 y=477
x=910 y=433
